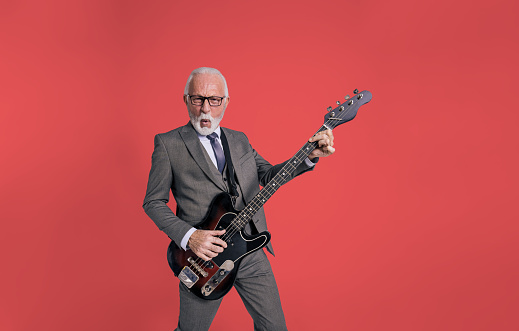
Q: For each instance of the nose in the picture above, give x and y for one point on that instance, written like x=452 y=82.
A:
x=206 y=108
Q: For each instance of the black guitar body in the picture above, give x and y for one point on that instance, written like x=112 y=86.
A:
x=213 y=279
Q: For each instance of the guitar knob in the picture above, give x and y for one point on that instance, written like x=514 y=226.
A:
x=347 y=97
x=338 y=102
x=355 y=91
x=329 y=109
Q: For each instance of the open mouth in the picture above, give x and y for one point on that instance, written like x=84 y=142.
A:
x=205 y=123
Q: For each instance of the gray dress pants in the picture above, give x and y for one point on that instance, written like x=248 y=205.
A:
x=257 y=288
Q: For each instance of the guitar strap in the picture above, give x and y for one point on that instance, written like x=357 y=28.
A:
x=230 y=169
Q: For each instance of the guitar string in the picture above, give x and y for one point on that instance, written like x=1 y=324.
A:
x=242 y=223
x=236 y=227
x=253 y=201
x=245 y=215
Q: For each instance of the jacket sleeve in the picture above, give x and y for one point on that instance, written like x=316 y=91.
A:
x=157 y=195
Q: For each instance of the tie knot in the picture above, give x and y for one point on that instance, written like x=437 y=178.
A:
x=212 y=136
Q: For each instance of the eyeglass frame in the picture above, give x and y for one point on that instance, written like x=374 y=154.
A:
x=205 y=98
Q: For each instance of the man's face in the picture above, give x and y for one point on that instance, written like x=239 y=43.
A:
x=206 y=118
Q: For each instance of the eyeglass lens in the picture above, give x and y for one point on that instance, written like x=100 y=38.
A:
x=199 y=100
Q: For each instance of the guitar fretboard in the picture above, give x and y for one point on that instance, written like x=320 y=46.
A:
x=273 y=185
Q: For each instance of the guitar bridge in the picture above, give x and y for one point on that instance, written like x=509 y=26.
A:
x=217 y=278
x=188 y=277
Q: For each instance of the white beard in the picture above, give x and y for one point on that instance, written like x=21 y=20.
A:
x=195 y=120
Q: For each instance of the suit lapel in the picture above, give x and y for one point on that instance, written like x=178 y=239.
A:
x=232 y=140
x=198 y=153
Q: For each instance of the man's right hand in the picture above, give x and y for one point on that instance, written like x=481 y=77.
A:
x=205 y=243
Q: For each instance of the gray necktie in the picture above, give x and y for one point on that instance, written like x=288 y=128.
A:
x=218 y=151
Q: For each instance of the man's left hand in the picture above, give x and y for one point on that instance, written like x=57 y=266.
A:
x=325 y=143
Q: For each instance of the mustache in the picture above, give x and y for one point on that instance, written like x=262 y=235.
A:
x=205 y=117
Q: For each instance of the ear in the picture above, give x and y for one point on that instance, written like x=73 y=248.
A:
x=227 y=99
x=185 y=99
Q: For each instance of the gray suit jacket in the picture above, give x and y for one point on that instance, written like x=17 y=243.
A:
x=180 y=163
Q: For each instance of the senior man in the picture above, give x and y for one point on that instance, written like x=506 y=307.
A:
x=190 y=161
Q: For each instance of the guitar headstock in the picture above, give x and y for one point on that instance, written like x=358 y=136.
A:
x=347 y=110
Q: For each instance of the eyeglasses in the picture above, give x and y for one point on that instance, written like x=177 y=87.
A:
x=199 y=100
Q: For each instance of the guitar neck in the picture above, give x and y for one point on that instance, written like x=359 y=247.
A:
x=341 y=114
x=275 y=183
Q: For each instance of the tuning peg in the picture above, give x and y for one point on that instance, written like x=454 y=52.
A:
x=329 y=109
x=355 y=91
x=338 y=102
x=347 y=97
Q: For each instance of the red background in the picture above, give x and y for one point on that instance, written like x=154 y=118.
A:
x=411 y=225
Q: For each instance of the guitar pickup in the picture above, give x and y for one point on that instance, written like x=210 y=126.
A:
x=188 y=277
x=197 y=267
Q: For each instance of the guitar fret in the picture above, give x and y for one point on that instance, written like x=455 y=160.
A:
x=274 y=184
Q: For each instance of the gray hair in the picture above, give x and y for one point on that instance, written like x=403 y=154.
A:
x=206 y=70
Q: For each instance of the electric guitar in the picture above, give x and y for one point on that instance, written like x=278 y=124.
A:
x=212 y=279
